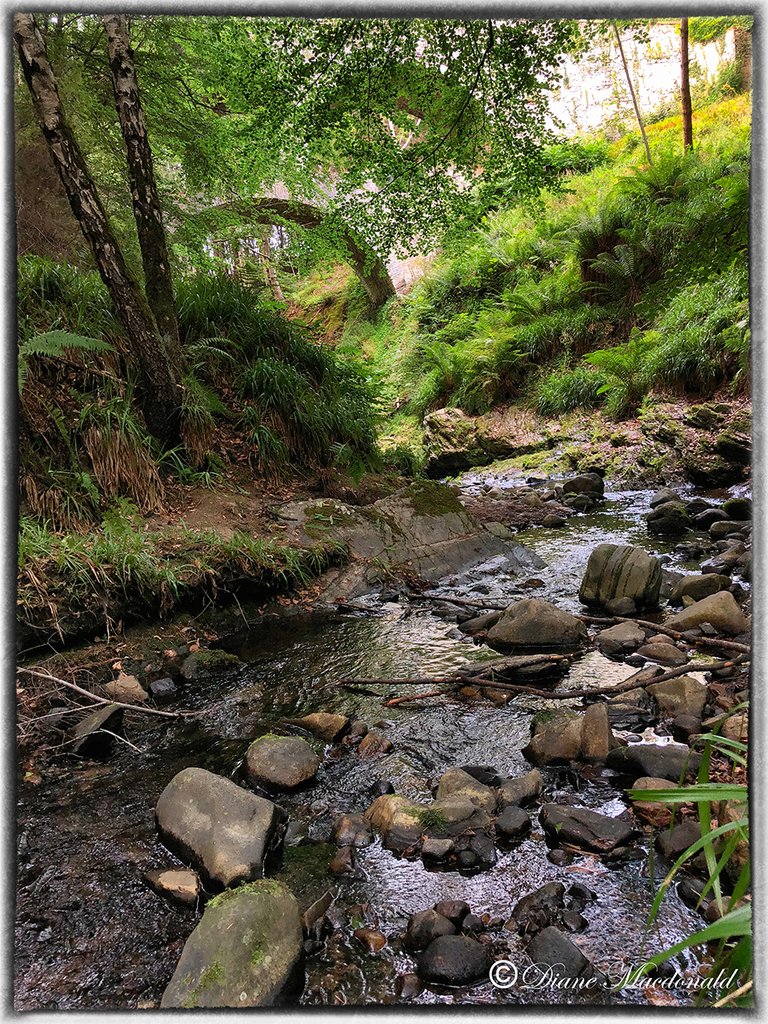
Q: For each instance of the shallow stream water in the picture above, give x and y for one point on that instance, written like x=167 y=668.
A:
x=91 y=934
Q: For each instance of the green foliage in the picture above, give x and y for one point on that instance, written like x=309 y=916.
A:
x=625 y=370
x=55 y=345
x=718 y=843
x=567 y=389
x=704 y=30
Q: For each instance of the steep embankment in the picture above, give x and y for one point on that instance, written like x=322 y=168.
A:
x=603 y=313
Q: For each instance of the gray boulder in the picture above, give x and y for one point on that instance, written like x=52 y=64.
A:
x=720 y=610
x=454 y=960
x=664 y=654
x=578 y=826
x=221 y=829
x=590 y=484
x=245 y=951
x=569 y=736
x=425 y=927
x=281 y=762
x=520 y=790
x=617 y=571
x=536 y=623
x=673 y=842
x=555 y=950
x=682 y=696
x=662 y=761
x=668 y=520
x=512 y=823
x=457 y=781
x=623 y=638
x=663 y=496
x=699 y=587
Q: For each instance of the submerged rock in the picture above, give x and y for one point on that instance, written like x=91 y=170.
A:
x=534 y=622
x=352 y=830
x=244 y=952
x=551 y=948
x=223 y=830
x=538 y=909
x=618 y=571
x=282 y=762
x=373 y=744
x=322 y=724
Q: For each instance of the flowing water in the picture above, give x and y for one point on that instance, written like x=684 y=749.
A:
x=91 y=934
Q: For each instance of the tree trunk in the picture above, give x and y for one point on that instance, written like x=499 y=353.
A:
x=146 y=202
x=370 y=269
x=685 y=87
x=265 y=250
x=158 y=392
x=742 y=44
x=635 y=104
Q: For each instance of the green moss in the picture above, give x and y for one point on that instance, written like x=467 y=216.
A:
x=257 y=955
x=429 y=498
x=212 y=974
x=432 y=817
x=207 y=658
x=263 y=887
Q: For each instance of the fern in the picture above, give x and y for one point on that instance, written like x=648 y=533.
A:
x=53 y=345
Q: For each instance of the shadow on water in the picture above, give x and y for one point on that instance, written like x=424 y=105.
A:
x=90 y=933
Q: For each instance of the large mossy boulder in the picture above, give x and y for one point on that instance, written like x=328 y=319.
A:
x=246 y=951
x=222 y=830
x=280 y=762
x=534 y=622
x=621 y=571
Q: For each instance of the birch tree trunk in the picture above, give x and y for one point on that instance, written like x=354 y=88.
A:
x=265 y=251
x=146 y=202
x=158 y=393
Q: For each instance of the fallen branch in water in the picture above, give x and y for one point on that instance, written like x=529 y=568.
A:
x=640 y=680
x=105 y=700
x=490 y=606
x=467 y=673
x=699 y=641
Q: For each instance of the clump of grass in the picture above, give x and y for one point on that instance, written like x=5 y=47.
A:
x=567 y=389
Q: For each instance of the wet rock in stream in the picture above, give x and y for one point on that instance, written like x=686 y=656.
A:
x=322 y=724
x=621 y=572
x=280 y=762
x=586 y=829
x=245 y=951
x=454 y=960
x=224 y=831
x=536 y=623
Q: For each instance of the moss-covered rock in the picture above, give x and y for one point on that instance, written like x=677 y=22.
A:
x=244 y=952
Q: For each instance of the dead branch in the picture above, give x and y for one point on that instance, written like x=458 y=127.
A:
x=639 y=680
x=104 y=700
x=702 y=641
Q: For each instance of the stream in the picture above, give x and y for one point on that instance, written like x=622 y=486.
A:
x=91 y=934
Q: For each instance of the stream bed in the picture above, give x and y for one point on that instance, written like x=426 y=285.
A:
x=91 y=934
